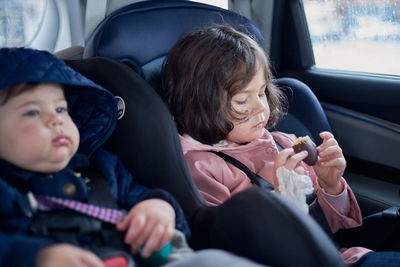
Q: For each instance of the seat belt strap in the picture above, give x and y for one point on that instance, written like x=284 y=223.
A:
x=255 y=178
x=101 y=204
x=280 y=148
x=46 y=203
x=68 y=224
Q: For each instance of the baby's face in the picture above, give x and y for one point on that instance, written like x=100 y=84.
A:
x=252 y=101
x=36 y=131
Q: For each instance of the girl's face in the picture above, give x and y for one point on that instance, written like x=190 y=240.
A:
x=36 y=131
x=253 y=102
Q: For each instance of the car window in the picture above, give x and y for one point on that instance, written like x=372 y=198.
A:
x=20 y=21
x=355 y=35
x=219 y=3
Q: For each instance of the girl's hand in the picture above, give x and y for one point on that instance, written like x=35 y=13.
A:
x=150 y=221
x=289 y=163
x=330 y=165
x=64 y=255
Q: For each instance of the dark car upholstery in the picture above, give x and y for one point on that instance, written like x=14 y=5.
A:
x=140 y=36
x=255 y=223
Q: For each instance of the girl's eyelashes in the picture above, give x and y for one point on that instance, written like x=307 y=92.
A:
x=241 y=102
x=251 y=94
x=263 y=92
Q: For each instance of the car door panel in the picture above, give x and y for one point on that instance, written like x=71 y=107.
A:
x=363 y=111
x=373 y=149
x=362 y=137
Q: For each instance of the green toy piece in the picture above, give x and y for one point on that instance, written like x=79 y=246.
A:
x=157 y=258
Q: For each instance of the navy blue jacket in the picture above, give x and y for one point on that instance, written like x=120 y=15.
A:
x=94 y=111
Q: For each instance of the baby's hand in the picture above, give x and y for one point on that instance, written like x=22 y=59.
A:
x=64 y=255
x=151 y=221
x=282 y=159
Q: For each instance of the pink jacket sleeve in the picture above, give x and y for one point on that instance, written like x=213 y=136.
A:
x=337 y=220
x=214 y=179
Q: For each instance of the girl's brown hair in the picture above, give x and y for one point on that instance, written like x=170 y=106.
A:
x=201 y=74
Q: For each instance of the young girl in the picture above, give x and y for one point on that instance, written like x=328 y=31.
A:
x=218 y=85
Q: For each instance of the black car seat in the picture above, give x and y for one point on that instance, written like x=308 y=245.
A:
x=142 y=33
x=254 y=223
x=140 y=36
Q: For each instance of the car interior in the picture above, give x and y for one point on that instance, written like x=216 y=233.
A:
x=122 y=46
x=361 y=108
x=131 y=47
x=160 y=163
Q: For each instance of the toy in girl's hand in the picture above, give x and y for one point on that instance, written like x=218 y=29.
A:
x=158 y=257
x=305 y=143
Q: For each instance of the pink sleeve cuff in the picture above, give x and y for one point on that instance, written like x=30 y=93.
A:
x=340 y=202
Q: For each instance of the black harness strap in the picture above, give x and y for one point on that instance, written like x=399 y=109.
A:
x=99 y=190
x=254 y=177
x=84 y=231
x=100 y=195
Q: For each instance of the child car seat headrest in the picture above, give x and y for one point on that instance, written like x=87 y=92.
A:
x=145 y=138
x=141 y=34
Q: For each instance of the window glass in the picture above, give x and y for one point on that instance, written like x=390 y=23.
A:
x=357 y=35
x=218 y=3
x=20 y=21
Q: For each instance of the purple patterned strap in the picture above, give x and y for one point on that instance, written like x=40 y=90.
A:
x=46 y=203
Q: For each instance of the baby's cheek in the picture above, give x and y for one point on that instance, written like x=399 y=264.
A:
x=27 y=153
x=73 y=132
x=76 y=135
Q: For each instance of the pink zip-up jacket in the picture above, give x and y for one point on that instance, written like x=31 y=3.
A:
x=217 y=180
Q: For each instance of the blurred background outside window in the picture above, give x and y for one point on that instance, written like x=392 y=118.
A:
x=20 y=21
x=218 y=3
x=355 y=35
